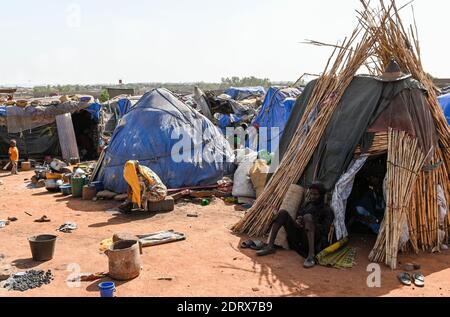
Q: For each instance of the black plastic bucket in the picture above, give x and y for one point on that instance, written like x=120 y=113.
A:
x=42 y=247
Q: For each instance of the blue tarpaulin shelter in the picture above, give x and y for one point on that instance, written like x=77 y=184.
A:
x=124 y=105
x=239 y=93
x=178 y=143
x=275 y=113
x=445 y=104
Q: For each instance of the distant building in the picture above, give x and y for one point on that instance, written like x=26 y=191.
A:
x=442 y=82
x=114 y=92
x=8 y=91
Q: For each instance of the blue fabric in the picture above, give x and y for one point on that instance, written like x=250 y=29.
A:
x=445 y=104
x=124 y=106
x=239 y=93
x=275 y=113
x=94 y=109
x=149 y=132
x=2 y=111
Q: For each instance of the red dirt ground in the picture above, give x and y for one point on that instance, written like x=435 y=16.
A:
x=208 y=263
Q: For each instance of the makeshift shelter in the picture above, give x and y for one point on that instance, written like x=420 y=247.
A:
x=445 y=104
x=154 y=132
x=321 y=143
x=241 y=93
x=273 y=116
x=35 y=128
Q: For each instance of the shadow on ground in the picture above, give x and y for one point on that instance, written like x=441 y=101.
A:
x=285 y=270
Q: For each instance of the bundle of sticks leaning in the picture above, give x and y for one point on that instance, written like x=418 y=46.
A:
x=382 y=36
x=405 y=161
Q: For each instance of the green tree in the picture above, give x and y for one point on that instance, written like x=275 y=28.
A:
x=104 y=96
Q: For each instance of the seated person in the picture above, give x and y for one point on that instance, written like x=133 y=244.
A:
x=308 y=233
x=144 y=186
x=370 y=207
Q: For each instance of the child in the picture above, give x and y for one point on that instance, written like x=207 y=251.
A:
x=13 y=156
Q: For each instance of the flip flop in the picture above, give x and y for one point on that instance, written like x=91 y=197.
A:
x=266 y=251
x=247 y=244
x=309 y=263
x=405 y=279
x=419 y=279
x=257 y=245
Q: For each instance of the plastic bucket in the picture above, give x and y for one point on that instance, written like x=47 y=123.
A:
x=26 y=166
x=42 y=247
x=66 y=190
x=77 y=186
x=98 y=186
x=107 y=289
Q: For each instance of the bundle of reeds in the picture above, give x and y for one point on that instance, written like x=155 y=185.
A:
x=393 y=40
x=325 y=98
x=405 y=160
x=423 y=217
x=382 y=37
x=379 y=145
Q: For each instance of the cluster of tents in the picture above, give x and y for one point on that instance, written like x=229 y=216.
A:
x=147 y=128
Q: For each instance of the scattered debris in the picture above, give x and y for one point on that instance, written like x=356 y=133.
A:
x=28 y=280
x=409 y=267
x=68 y=227
x=192 y=215
x=4 y=223
x=106 y=194
x=255 y=289
x=29 y=214
x=165 y=279
x=89 y=277
x=12 y=219
x=121 y=197
x=106 y=244
x=159 y=238
x=43 y=219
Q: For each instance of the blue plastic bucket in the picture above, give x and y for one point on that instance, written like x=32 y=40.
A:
x=98 y=186
x=66 y=189
x=107 y=289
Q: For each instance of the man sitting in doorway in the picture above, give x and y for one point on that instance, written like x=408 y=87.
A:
x=371 y=206
x=308 y=233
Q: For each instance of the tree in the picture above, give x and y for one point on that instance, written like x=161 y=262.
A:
x=104 y=96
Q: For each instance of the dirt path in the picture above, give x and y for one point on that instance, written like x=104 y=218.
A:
x=208 y=263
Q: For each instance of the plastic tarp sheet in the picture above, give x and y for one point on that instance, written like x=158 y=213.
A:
x=34 y=143
x=157 y=127
x=274 y=114
x=21 y=119
x=124 y=105
x=240 y=93
x=361 y=105
x=443 y=100
x=2 y=111
x=95 y=109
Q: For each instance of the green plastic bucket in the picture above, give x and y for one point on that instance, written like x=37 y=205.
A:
x=77 y=186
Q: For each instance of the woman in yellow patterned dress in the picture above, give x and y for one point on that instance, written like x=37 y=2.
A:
x=144 y=187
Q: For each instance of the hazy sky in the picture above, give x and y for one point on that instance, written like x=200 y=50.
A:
x=102 y=41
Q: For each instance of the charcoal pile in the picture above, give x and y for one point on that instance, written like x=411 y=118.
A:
x=28 y=280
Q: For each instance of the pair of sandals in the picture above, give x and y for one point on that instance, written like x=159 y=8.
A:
x=408 y=279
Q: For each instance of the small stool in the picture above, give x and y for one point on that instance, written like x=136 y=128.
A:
x=166 y=205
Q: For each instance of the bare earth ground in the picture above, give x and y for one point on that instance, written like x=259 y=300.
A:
x=208 y=263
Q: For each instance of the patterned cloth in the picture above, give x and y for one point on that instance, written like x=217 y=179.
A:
x=144 y=185
x=341 y=193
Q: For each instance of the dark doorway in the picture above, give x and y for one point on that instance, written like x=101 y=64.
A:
x=86 y=132
x=366 y=204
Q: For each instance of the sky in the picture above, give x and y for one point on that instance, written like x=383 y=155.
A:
x=102 y=41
